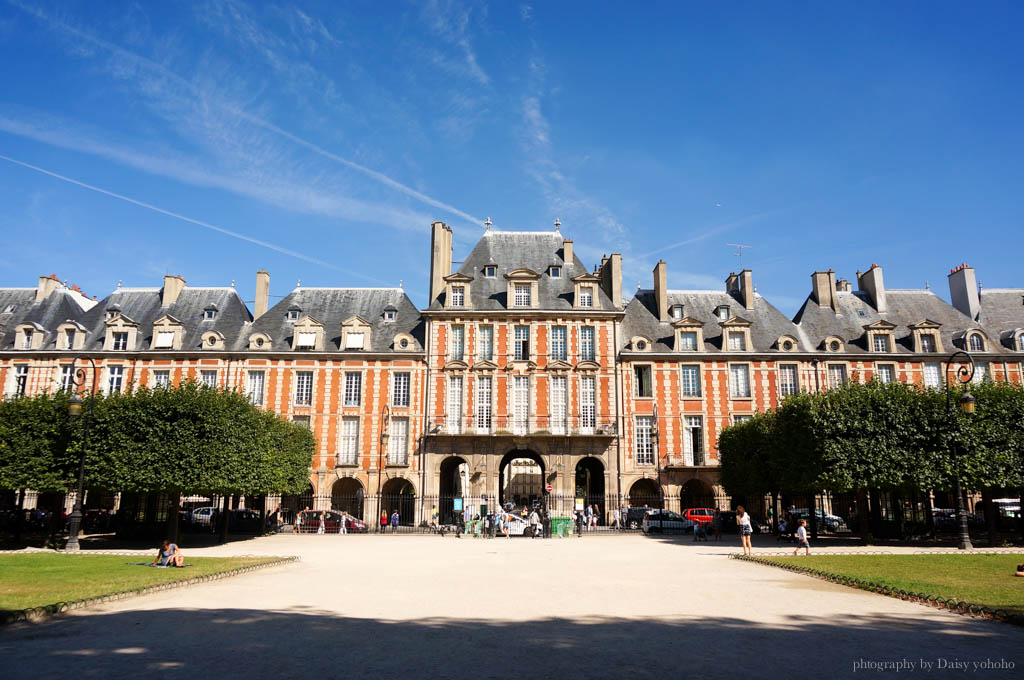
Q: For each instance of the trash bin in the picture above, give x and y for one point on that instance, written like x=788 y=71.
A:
x=561 y=526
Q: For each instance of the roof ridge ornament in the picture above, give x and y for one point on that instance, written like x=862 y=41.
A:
x=487 y=224
x=558 y=225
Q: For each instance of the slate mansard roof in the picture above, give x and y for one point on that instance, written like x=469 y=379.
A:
x=59 y=306
x=331 y=307
x=768 y=324
x=515 y=250
x=1002 y=312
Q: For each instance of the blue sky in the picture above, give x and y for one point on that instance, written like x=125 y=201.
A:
x=319 y=140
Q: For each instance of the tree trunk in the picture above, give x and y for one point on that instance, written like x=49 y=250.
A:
x=991 y=517
x=1020 y=515
x=812 y=510
x=172 y=518
x=225 y=520
x=262 y=528
x=929 y=513
x=19 y=520
x=863 y=523
x=875 y=515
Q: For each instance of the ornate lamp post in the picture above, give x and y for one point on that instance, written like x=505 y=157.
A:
x=964 y=375
x=75 y=408
x=656 y=441
x=384 y=420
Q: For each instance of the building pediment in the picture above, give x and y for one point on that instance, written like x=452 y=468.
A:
x=586 y=278
x=167 y=320
x=521 y=366
x=559 y=365
x=688 y=322
x=120 y=319
x=353 y=321
x=736 y=322
x=880 y=325
x=456 y=365
x=458 y=277
x=588 y=366
x=925 y=323
x=522 y=275
x=485 y=365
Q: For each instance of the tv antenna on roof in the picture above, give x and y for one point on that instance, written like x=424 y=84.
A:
x=739 y=251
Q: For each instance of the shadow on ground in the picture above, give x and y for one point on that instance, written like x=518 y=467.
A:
x=309 y=643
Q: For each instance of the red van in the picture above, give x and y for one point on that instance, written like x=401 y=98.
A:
x=700 y=515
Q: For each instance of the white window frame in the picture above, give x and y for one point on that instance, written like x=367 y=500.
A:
x=788 y=388
x=973 y=338
x=737 y=341
x=521 y=343
x=205 y=376
x=115 y=379
x=687 y=388
x=458 y=296
x=522 y=294
x=882 y=369
x=555 y=272
x=586 y=296
x=353 y=392
x=27 y=338
x=398 y=441
x=490 y=271
x=693 y=455
x=20 y=380
x=401 y=383
x=119 y=341
x=684 y=338
x=457 y=344
x=588 y=404
x=353 y=339
x=161 y=378
x=927 y=338
x=837 y=375
x=643 y=442
x=559 y=343
x=931 y=375
x=588 y=344
x=740 y=388
x=256 y=385
x=66 y=378
x=882 y=338
x=559 y=388
x=456 y=388
x=348 y=444
x=484 y=391
x=520 y=404
x=303 y=394
x=638 y=381
x=485 y=343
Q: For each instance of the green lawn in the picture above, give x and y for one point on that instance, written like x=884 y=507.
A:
x=33 y=580
x=979 y=579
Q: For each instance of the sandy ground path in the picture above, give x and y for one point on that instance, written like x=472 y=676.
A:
x=425 y=606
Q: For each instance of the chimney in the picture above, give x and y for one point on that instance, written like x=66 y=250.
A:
x=173 y=286
x=843 y=286
x=661 y=290
x=823 y=289
x=440 y=257
x=871 y=283
x=611 y=278
x=746 y=283
x=262 y=293
x=963 y=291
x=47 y=284
x=567 y=256
x=732 y=283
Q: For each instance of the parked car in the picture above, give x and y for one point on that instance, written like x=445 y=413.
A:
x=634 y=518
x=945 y=520
x=202 y=516
x=729 y=525
x=247 y=521
x=310 y=523
x=667 y=522
x=701 y=515
x=827 y=522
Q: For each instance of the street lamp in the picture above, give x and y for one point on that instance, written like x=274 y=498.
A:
x=964 y=375
x=384 y=420
x=75 y=408
x=656 y=440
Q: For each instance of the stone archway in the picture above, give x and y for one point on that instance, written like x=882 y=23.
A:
x=589 y=484
x=696 y=493
x=453 y=483
x=645 y=493
x=399 y=495
x=347 y=495
x=521 y=478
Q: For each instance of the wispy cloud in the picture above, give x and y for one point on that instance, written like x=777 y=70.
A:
x=451 y=22
x=707 y=232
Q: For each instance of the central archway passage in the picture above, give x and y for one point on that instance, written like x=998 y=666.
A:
x=521 y=478
x=399 y=495
x=645 y=494
x=590 y=484
x=347 y=496
x=453 y=483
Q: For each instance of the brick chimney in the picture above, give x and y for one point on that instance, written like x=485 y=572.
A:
x=871 y=282
x=262 y=294
x=567 y=256
x=611 y=278
x=661 y=290
x=963 y=290
x=47 y=284
x=440 y=257
x=746 y=283
x=173 y=285
x=823 y=289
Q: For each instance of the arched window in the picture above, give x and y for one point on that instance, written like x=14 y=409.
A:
x=975 y=342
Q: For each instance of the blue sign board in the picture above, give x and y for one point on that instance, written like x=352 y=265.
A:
x=458 y=503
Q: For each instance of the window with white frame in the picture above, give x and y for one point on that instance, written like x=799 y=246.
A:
x=20 y=379
x=208 y=378
x=693 y=440
x=836 y=375
x=586 y=296
x=723 y=313
x=886 y=373
x=164 y=340
x=932 y=375
x=559 y=350
x=303 y=388
x=522 y=294
x=120 y=341
x=348 y=448
x=293 y=314
x=521 y=348
x=301 y=421
x=255 y=387
x=161 y=378
x=737 y=341
x=644 y=440
x=737 y=419
x=454 y=404
x=555 y=272
x=398 y=442
x=66 y=377
x=353 y=388
x=389 y=315
x=400 y=389
x=676 y=311
x=27 y=339
x=559 y=401
x=485 y=343
x=588 y=404
x=458 y=296
x=457 y=345
x=490 y=271
x=482 y=405
x=209 y=313
x=115 y=379
x=739 y=381
x=975 y=342
x=789 y=381
x=69 y=338
x=520 y=404
x=352 y=340
x=980 y=373
x=642 y=386
x=880 y=342
x=690 y=380
x=587 y=343
x=1020 y=342
x=688 y=341
x=927 y=342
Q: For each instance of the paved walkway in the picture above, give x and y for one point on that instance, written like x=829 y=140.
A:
x=620 y=607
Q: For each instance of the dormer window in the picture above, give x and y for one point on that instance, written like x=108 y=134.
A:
x=458 y=296
x=737 y=341
x=676 y=311
x=69 y=339
x=111 y=313
x=586 y=296
x=389 y=315
x=880 y=342
x=555 y=272
x=722 y=312
x=688 y=341
x=9 y=309
x=27 y=339
x=293 y=313
x=210 y=313
x=975 y=343
x=354 y=340
x=119 y=342
x=164 y=340
x=927 y=342
x=490 y=271
x=306 y=340
x=522 y=295
x=1020 y=342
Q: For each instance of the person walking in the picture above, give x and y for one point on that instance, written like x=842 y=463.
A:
x=597 y=515
x=394 y=522
x=343 y=524
x=743 y=522
x=505 y=521
x=579 y=523
x=716 y=523
x=616 y=515
x=801 y=539
x=534 y=522
x=383 y=521
x=590 y=516
x=322 y=524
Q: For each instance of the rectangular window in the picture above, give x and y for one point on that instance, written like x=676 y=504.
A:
x=522 y=343
x=642 y=382
x=458 y=296
x=522 y=295
x=644 y=447
x=927 y=342
x=789 y=381
x=490 y=271
x=400 y=389
x=353 y=388
x=208 y=378
x=558 y=344
x=880 y=342
x=349 y=447
x=455 y=404
x=520 y=404
x=303 y=388
x=398 y=442
x=352 y=340
x=587 y=343
x=836 y=375
x=28 y=340
x=482 y=408
x=457 y=348
x=115 y=378
x=485 y=343
x=693 y=440
x=588 y=404
x=65 y=378
x=736 y=420
x=737 y=341
x=688 y=341
x=164 y=340
x=120 y=341
x=559 y=412
x=69 y=339
x=739 y=381
x=301 y=421
x=886 y=373
x=161 y=378
x=980 y=372
x=20 y=380
x=932 y=375
x=691 y=381
x=256 y=387
x=586 y=296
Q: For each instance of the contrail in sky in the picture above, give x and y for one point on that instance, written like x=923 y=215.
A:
x=184 y=218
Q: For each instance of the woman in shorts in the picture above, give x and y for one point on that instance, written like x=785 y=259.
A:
x=743 y=522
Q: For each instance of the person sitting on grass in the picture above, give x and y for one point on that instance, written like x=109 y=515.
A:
x=169 y=556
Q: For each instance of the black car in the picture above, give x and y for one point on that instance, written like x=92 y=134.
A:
x=634 y=518
x=729 y=526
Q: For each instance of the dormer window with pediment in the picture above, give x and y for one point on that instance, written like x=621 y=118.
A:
x=260 y=342
x=29 y=336
x=70 y=335
x=925 y=335
x=585 y=291
x=355 y=334
x=736 y=335
x=522 y=288
x=880 y=337
x=112 y=312
x=308 y=335
x=121 y=333
x=689 y=334
x=167 y=333
x=457 y=291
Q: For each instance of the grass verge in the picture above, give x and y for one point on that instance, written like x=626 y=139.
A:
x=978 y=579
x=41 y=579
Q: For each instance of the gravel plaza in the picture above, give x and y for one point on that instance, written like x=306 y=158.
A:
x=432 y=607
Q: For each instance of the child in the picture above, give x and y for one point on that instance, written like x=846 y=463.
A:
x=801 y=538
